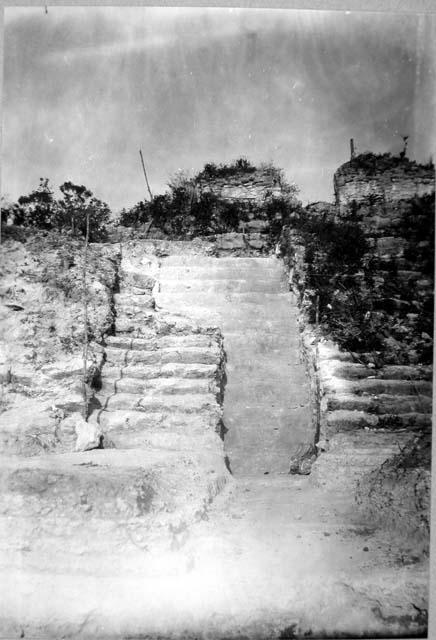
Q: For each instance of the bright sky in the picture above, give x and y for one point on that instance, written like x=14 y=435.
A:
x=85 y=88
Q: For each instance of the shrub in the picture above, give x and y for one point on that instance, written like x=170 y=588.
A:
x=211 y=170
x=77 y=203
x=38 y=208
x=138 y=214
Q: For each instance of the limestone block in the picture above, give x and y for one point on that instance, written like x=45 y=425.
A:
x=231 y=241
x=390 y=245
x=70 y=402
x=88 y=433
x=137 y=279
x=256 y=243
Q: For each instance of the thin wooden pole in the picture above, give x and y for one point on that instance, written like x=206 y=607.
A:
x=145 y=175
x=85 y=321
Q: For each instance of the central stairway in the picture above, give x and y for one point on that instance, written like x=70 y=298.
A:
x=267 y=416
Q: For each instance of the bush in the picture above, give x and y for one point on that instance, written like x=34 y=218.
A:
x=136 y=215
x=360 y=300
x=211 y=170
x=76 y=205
x=37 y=209
x=186 y=210
x=40 y=210
x=372 y=163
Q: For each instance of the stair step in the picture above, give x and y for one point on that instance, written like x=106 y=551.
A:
x=380 y=404
x=354 y=371
x=166 y=355
x=217 y=275
x=69 y=509
x=400 y=372
x=171 y=370
x=258 y=302
x=225 y=262
x=182 y=440
x=137 y=278
x=167 y=420
x=140 y=301
x=232 y=317
x=153 y=324
x=218 y=285
x=138 y=314
x=153 y=343
x=131 y=325
x=347 y=420
x=378 y=386
x=185 y=402
x=161 y=385
x=64 y=485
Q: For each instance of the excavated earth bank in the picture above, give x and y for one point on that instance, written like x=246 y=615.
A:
x=151 y=536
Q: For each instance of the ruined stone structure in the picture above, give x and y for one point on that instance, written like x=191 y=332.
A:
x=369 y=412
x=184 y=518
x=381 y=179
x=252 y=186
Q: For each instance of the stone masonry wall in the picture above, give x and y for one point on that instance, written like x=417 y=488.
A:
x=401 y=181
x=367 y=414
x=381 y=191
x=249 y=186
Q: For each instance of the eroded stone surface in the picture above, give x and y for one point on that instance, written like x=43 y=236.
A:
x=266 y=403
x=153 y=536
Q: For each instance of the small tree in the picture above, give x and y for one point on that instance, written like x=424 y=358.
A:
x=77 y=204
x=138 y=214
x=38 y=208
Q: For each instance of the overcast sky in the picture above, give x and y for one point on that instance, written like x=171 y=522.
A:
x=85 y=88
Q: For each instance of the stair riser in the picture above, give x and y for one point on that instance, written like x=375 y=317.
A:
x=184 y=404
x=137 y=279
x=159 y=358
x=181 y=439
x=379 y=387
x=132 y=326
x=355 y=371
x=112 y=495
x=140 y=421
x=381 y=405
x=149 y=372
x=338 y=422
x=221 y=287
x=153 y=344
x=126 y=300
x=232 y=302
x=126 y=385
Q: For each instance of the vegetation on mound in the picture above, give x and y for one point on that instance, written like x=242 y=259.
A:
x=186 y=211
x=374 y=163
x=212 y=171
x=39 y=209
x=359 y=300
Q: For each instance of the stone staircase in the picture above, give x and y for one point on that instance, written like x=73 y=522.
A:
x=125 y=541
x=368 y=414
x=158 y=386
x=160 y=463
x=267 y=417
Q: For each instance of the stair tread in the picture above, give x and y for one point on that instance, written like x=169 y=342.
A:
x=148 y=372
x=146 y=402
x=378 y=386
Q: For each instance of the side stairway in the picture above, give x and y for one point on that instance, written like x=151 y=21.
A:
x=72 y=517
x=267 y=417
x=162 y=380
x=368 y=414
